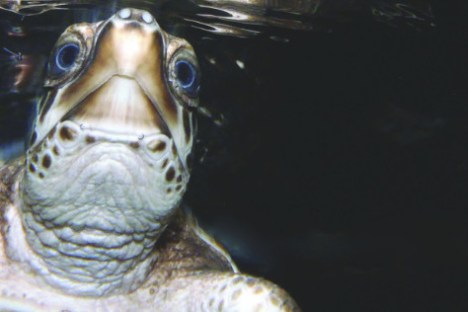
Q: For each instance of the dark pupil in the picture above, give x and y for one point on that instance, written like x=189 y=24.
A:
x=185 y=73
x=67 y=55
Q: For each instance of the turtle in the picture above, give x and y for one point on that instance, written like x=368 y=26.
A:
x=91 y=216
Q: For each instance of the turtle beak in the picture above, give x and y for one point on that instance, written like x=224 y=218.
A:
x=122 y=79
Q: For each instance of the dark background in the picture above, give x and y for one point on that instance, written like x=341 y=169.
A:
x=341 y=172
x=339 y=169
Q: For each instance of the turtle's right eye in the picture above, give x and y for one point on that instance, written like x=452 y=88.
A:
x=68 y=57
x=63 y=58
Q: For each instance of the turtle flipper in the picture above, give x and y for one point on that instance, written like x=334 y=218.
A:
x=223 y=291
x=198 y=275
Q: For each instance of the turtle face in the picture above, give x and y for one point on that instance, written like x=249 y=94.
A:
x=107 y=164
x=119 y=98
x=124 y=78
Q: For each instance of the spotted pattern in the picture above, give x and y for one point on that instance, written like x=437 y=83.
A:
x=56 y=150
x=46 y=161
x=225 y=291
x=32 y=168
x=157 y=146
x=67 y=134
x=244 y=291
x=41 y=159
x=170 y=173
x=89 y=139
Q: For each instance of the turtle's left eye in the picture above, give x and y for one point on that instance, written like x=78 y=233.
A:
x=187 y=77
x=64 y=58
x=184 y=76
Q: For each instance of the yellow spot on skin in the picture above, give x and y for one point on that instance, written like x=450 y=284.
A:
x=237 y=280
x=258 y=289
x=236 y=294
x=275 y=301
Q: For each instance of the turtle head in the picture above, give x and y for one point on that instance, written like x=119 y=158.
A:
x=124 y=77
x=120 y=88
x=108 y=158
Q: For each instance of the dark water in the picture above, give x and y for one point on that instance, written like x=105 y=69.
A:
x=336 y=160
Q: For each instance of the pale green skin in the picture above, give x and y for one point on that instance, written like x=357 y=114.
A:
x=87 y=223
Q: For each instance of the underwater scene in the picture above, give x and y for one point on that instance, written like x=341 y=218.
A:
x=329 y=150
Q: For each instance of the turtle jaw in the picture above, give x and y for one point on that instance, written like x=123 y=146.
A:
x=123 y=89
x=119 y=106
x=122 y=81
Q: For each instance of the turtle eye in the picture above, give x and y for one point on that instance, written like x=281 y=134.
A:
x=184 y=76
x=187 y=78
x=64 y=58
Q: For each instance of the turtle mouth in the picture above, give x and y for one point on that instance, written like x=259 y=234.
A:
x=119 y=106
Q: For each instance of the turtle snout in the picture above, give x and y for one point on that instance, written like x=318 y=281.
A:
x=134 y=15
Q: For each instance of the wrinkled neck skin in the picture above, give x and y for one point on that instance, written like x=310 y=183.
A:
x=92 y=208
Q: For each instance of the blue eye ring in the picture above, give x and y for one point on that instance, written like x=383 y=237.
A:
x=66 y=56
x=186 y=75
x=66 y=60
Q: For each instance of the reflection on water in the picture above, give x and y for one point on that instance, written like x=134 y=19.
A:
x=29 y=32
x=242 y=17
x=28 y=8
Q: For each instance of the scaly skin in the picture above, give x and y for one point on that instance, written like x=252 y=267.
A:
x=90 y=217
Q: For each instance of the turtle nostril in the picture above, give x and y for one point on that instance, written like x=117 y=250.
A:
x=147 y=17
x=124 y=13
